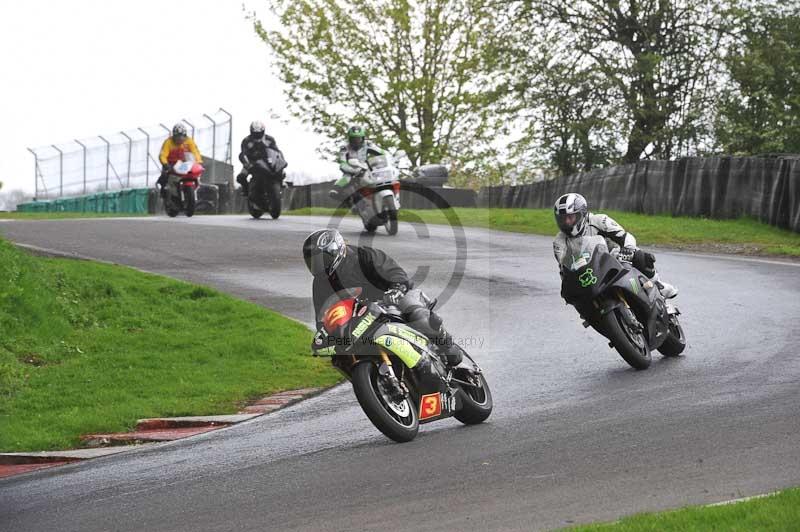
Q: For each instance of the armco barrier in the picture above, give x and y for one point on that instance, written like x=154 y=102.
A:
x=135 y=201
x=715 y=187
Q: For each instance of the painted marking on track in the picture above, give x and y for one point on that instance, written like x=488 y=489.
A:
x=743 y=499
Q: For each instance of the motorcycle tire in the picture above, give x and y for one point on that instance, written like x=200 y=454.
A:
x=255 y=212
x=190 y=203
x=375 y=406
x=370 y=227
x=675 y=342
x=275 y=199
x=390 y=212
x=476 y=403
x=638 y=357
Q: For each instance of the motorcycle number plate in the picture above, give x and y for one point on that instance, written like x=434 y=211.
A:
x=430 y=406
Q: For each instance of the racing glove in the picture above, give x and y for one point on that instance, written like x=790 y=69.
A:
x=626 y=254
x=394 y=294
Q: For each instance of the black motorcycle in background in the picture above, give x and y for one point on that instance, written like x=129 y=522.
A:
x=265 y=191
x=620 y=303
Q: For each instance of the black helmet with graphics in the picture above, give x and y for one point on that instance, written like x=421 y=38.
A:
x=323 y=251
x=179 y=132
x=571 y=212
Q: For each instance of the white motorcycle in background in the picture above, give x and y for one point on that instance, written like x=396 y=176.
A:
x=377 y=198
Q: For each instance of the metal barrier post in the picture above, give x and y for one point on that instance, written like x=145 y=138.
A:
x=108 y=156
x=191 y=126
x=228 y=158
x=146 y=159
x=60 y=170
x=35 y=173
x=82 y=145
x=130 y=153
x=213 y=148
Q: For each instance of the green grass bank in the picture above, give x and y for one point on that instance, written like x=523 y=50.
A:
x=731 y=236
x=88 y=347
x=778 y=512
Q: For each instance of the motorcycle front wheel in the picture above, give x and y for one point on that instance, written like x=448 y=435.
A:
x=275 y=199
x=630 y=344
x=396 y=420
x=188 y=193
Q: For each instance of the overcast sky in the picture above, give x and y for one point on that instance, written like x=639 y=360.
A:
x=81 y=68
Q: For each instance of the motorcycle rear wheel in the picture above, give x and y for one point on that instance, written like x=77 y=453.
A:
x=476 y=403
x=170 y=208
x=254 y=211
x=638 y=356
x=379 y=409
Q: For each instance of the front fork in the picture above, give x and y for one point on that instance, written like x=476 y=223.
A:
x=386 y=370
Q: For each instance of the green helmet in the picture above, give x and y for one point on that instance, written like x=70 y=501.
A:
x=356 y=136
x=356 y=131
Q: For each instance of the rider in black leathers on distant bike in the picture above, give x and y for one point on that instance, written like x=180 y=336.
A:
x=254 y=148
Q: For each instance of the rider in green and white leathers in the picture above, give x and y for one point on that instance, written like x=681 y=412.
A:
x=357 y=147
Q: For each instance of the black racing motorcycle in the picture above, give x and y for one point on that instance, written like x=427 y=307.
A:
x=265 y=191
x=397 y=374
x=622 y=304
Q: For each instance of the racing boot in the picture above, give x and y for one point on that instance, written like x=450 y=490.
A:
x=242 y=180
x=451 y=352
x=667 y=290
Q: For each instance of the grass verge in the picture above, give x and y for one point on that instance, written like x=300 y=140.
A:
x=88 y=347
x=731 y=236
x=774 y=512
x=13 y=215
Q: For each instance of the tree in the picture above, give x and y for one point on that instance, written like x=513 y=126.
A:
x=759 y=111
x=10 y=199
x=656 y=59
x=561 y=106
x=418 y=73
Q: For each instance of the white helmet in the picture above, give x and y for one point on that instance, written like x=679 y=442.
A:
x=257 y=128
x=571 y=212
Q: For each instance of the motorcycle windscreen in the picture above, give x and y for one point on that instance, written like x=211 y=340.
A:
x=183 y=167
x=341 y=295
x=382 y=168
x=580 y=250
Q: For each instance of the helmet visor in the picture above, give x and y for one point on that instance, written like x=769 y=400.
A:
x=319 y=263
x=356 y=142
x=568 y=221
x=327 y=256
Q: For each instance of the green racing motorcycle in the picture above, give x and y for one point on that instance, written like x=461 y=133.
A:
x=397 y=373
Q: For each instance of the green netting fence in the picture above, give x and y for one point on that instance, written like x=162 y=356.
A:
x=134 y=200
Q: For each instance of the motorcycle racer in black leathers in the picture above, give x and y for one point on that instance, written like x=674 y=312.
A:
x=575 y=221
x=337 y=265
x=254 y=148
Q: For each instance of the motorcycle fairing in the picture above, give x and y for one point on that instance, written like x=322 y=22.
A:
x=586 y=288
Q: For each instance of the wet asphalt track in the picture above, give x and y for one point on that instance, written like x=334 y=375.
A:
x=576 y=435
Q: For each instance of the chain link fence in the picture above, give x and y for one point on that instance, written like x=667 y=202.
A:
x=128 y=159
